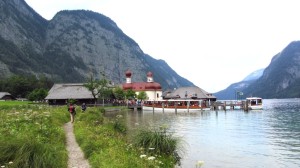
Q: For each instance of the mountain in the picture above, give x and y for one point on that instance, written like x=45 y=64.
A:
x=72 y=46
x=281 y=79
x=254 y=75
x=234 y=90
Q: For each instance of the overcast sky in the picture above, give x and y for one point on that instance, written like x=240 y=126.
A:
x=212 y=43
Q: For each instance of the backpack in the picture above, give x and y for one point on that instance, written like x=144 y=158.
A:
x=71 y=109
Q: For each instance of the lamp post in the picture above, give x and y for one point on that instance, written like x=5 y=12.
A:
x=238 y=95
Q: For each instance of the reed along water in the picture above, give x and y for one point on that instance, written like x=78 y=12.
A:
x=234 y=138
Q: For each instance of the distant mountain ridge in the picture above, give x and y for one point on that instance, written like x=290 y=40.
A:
x=75 y=44
x=281 y=79
x=72 y=46
x=254 y=75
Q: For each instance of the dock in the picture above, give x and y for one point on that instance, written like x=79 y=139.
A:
x=230 y=105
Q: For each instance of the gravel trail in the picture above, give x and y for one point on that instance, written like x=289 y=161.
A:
x=76 y=156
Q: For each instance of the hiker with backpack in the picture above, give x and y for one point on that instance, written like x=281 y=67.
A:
x=72 y=111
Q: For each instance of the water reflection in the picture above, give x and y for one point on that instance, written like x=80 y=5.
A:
x=268 y=138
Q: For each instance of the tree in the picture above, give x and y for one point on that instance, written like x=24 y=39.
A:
x=119 y=93
x=22 y=86
x=92 y=86
x=103 y=90
x=37 y=94
x=142 y=95
x=99 y=88
x=130 y=94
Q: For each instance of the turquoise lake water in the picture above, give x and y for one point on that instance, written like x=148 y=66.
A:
x=234 y=139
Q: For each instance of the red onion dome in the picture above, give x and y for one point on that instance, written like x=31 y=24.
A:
x=128 y=73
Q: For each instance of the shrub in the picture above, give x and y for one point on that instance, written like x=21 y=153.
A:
x=92 y=116
x=160 y=142
x=119 y=124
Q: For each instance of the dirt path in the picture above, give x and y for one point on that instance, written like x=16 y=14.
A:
x=76 y=156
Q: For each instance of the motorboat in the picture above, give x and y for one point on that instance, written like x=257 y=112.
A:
x=254 y=103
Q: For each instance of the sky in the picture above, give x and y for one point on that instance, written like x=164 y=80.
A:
x=212 y=43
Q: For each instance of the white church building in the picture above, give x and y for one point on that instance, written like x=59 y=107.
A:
x=151 y=88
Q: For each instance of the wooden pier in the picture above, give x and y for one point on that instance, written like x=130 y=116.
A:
x=230 y=105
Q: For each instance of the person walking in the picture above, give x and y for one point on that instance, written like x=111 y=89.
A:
x=72 y=111
x=83 y=107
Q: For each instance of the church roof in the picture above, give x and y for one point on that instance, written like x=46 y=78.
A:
x=142 y=86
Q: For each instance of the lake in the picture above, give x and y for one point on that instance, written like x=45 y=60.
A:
x=234 y=139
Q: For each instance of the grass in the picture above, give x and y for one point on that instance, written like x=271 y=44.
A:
x=32 y=135
x=106 y=144
x=158 y=141
x=14 y=103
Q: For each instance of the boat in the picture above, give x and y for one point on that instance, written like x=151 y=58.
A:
x=254 y=103
x=174 y=105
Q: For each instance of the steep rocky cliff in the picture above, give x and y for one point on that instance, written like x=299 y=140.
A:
x=72 y=46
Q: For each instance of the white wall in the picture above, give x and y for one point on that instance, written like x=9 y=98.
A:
x=152 y=95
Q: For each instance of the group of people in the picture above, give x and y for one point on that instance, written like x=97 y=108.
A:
x=72 y=110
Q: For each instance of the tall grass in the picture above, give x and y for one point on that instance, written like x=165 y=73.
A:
x=29 y=153
x=32 y=136
x=159 y=141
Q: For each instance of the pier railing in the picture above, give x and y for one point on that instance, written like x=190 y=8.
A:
x=230 y=105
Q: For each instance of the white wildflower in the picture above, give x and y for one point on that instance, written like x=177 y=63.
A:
x=142 y=156
x=151 y=158
x=119 y=116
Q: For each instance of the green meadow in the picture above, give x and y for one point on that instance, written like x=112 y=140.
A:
x=32 y=135
x=14 y=103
